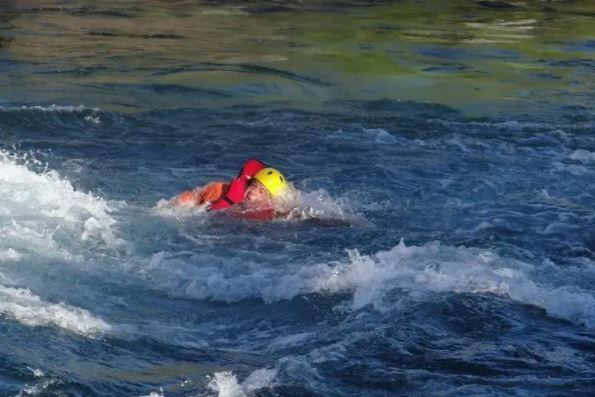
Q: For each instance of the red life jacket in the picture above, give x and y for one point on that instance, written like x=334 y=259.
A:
x=238 y=185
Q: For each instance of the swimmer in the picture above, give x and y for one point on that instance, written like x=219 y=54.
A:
x=250 y=195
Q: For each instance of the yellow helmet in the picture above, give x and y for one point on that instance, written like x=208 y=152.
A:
x=272 y=179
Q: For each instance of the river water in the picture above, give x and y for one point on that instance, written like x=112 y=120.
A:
x=453 y=141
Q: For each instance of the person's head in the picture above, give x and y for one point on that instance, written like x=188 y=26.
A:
x=256 y=192
x=266 y=184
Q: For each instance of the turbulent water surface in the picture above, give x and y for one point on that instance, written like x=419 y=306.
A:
x=445 y=158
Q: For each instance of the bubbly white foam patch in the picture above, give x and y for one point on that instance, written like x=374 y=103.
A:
x=583 y=156
x=33 y=390
x=226 y=384
x=380 y=135
x=50 y=108
x=439 y=268
x=413 y=269
x=40 y=385
x=10 y=255
x=30 y=238
x=36 y=372
x=155 y=394
x=42 y=214
x=29 y=309
x=94 y=120
x=317 y=204
x=167 y=209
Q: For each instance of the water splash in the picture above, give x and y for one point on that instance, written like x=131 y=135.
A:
x=226 y=384
x=42 y=214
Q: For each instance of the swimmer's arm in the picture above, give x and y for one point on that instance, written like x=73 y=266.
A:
x=207 y=194
x=187 y=198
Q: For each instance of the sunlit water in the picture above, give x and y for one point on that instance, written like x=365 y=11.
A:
x=456 y=139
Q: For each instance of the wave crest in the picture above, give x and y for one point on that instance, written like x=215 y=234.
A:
x=417 y=270
x=29 y=309
x=42 y=214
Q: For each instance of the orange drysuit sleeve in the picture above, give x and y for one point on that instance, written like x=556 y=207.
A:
x=206 y=194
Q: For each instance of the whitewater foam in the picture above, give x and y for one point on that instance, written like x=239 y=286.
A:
x=418 y=270
x=583 y=156
x=440 y=268
x=42 y=214
x=39 y=386
x=166 y=209
x=155 y=394
x=226 y=384
x=29 y=309
x=318 y=204
x=49 y=108
x=10 y=255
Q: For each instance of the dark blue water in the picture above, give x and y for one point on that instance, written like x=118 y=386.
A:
x=468 y=268
x=441 y=250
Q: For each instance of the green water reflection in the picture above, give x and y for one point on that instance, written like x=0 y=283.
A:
x=477 y=56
